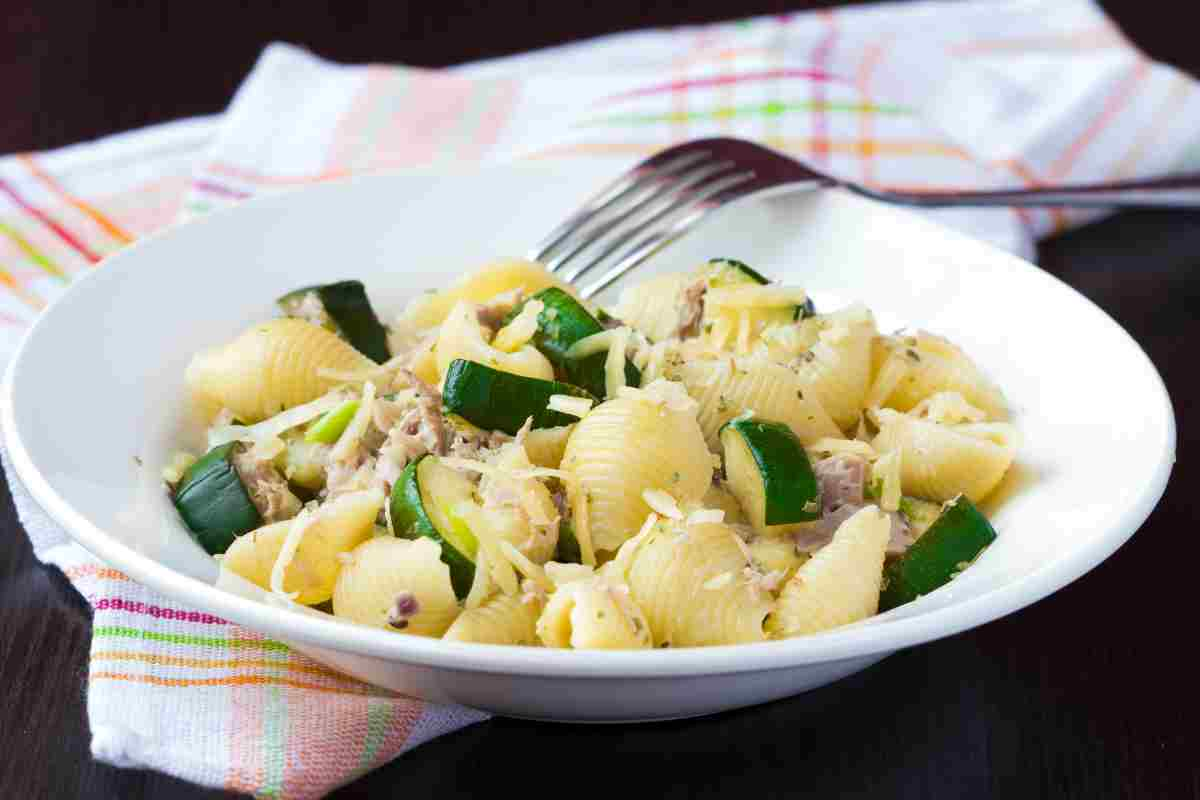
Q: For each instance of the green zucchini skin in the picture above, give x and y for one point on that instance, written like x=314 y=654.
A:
x=716 y=268
x=501 y=401
x=791 y=488
x=562 y=323
x=411 y=521
x=213 y=501
x=805 y=310
x=349 y=309
x=567 y=550
x=956 y=538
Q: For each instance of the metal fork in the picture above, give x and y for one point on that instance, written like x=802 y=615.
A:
x=669 y=193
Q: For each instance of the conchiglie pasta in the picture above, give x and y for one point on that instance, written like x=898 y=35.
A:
x=653 y=306
x=838 y=367
x=593 y=614
x=939 y=462
x=341 y=524
x=397 y=584
x=691 y=581
x=840 y=583
x=727 y=387
x=918 y=366
x=496 y=278
x=462 y=336
x=271 y=367
x=501 y=619
x=625 y=446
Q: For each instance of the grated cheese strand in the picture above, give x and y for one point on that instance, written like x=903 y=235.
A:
x=295 y=535
x=663 y=503
x=526 y=567
x=769 y=296
x=569 y=404
x=614 y=363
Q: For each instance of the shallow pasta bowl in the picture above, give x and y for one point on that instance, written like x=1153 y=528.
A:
x=95 y=403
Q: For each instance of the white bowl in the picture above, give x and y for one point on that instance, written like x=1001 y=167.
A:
x=99 y=380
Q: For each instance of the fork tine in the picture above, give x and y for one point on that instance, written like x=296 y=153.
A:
x=654 y=242
x=654 y=168
x=668 y=190
x=693 y=199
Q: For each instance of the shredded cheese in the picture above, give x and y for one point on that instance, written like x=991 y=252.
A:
x=852 y=447
x=516 y=334
x=377 y=372
x=669 y=394
x=614 y=363
x=663 y=503
x=526 y=567
x=703 y=516
x=886 y=471
x=768 y=296
x=582 y=520
x=271 y=428
x=718 y=581
x=590 y=345
x=568 y=404
x=295 y=535
x=357 y=427
x=561 y=574
x=482 y=583
x=743 y=337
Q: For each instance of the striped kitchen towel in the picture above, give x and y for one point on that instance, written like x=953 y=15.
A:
x=929 y=94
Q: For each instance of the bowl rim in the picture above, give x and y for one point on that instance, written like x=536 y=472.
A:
x=850 y=642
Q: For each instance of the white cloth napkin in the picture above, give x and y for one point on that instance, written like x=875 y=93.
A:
x=981 y=94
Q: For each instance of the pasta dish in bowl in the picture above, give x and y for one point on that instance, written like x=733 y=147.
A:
x=703 y=492
x=711 y=461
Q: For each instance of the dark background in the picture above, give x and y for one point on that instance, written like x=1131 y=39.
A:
x=1088 y=694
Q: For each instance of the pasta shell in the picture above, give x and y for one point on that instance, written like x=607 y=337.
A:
x=502 y=619
x=271 y=367
x=840 y=583
x=691 y=582
x=939 y=462
x=386 y=569
x=727 y=387
x=593 y=614
x=839 y=367
x=653 y=307
x=934 y=364
x=496 y=278
x=342 y=524
x=625 y=446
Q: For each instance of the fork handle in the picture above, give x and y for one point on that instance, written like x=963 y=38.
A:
x=1176 y=191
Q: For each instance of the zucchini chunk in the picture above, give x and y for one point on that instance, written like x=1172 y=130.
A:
x=567 y=550
x=562 y=323
x=343 y=308
x=722 y=272
x=213 y=500
x=769 y=472
x=423 y=504
x=956 y=539
x=501 y=401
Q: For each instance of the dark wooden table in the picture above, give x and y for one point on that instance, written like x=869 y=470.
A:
x=1088 y=694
